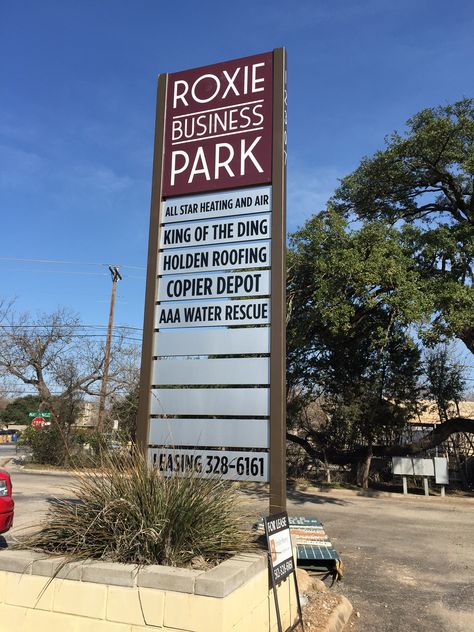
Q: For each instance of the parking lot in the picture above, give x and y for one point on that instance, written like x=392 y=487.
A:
x=409 y=562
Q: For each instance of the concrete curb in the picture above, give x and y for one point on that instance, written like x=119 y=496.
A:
x=339 y=617
x=20 y=469
x=26 y=470
x=219 y=581
x=333 y=492
x=373 y=493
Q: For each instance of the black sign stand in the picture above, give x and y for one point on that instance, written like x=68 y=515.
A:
x=276 y=582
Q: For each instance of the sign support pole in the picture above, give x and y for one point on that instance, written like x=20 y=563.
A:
x=143 y=418
x=278 y=282
x=275 y=597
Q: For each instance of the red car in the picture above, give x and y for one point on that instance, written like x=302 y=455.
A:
x=6 y=501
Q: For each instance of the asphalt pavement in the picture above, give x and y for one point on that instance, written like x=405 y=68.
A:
x=409 y=562
x=7 y=451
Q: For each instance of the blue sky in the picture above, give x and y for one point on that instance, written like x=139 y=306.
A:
x=77 y=101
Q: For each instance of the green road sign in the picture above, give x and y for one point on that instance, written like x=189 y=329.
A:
x=46 y=415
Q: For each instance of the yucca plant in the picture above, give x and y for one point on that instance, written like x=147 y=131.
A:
x=128 y=512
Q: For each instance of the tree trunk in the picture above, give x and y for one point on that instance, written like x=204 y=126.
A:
x=364 y=469
x=467 y=336
x=438 y=435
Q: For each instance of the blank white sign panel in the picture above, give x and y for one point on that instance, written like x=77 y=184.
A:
x=230 y=465
x=212 y=341
x=441 y=468
x=412 y=466
x=213 y=313
x=225 y=371
x=185 y=287
x=211 y=401
x=235 y=433
x=222 y=203
x=231 y=257
x=221 y=231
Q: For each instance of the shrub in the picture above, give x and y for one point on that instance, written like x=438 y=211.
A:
x=128 y=512
x=47 y=446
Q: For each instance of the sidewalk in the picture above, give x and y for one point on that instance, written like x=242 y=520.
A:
x=294 y=488
x=336 y=492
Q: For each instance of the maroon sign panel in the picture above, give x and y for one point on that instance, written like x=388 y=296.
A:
x=218 y=127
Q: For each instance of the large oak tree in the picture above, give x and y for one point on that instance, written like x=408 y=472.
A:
x=359 y=290
x=423 y=183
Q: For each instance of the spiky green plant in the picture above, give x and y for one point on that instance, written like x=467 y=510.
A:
x=128 y=512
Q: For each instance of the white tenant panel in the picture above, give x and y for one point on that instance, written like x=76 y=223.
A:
x=412 y=466
x=213 y=313
x=231 y=257
x=219 y=464
x=236 y=433
x=247 y=402
x=225 y=371
x=220 y=204
x=195 y=286
x=441 y=470
x=220 y=231
x=212 y=341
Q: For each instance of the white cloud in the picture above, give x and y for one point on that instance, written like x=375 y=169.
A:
x=99 y=177
x=28 y=171
x=19 y=167
x=308 y=14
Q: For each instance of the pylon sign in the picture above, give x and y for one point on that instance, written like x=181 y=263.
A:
x=213 y=363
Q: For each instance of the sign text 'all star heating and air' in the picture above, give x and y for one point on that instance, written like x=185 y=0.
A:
x=209 y=396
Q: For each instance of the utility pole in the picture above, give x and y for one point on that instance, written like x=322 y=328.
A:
x=116 y=276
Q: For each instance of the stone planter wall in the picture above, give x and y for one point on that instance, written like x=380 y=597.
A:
x=101 y=597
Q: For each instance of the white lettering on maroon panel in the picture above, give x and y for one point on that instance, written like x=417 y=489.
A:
x=219 y=126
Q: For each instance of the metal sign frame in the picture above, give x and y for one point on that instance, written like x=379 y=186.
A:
x=277 y=443
x=282 y=524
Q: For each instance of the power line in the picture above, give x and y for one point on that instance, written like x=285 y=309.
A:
x=71 y=326
x=78 y=263
x=103 y=335
x=82 y=273
x=55 y=272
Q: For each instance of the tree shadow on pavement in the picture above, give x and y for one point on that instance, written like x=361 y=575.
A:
x=300 y=497
x=54 y=501
x=260 y=491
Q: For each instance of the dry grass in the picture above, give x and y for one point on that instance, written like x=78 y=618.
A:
x=128 y=512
